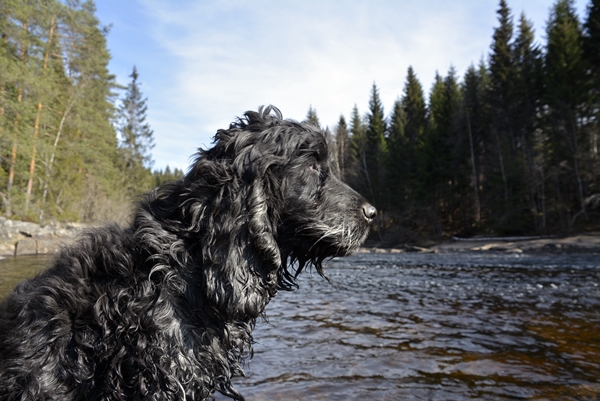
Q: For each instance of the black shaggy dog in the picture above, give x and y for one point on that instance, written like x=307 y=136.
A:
x=164 y=309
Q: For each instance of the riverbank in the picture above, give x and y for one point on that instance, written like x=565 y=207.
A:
x=588 y=242
x=21 y=238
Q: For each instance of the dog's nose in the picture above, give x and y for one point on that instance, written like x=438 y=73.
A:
x=369 y=211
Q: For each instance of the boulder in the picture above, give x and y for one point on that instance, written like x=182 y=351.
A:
x=48 y=245
x=26 y=246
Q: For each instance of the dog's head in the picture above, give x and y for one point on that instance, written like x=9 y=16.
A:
x=297 y=210
x=255 y=209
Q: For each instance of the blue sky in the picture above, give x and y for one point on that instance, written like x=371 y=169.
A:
x=202 y=63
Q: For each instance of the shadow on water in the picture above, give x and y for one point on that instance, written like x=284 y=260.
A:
x=425 y=327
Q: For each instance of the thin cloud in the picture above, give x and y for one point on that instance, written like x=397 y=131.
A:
x=225 y=57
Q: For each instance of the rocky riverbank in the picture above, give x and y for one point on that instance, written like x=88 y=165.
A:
x=588 y=242
x=19 y=238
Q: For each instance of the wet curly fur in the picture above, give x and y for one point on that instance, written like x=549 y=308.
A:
x=164 y=309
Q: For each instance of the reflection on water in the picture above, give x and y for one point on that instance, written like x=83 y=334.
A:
x=426 y=327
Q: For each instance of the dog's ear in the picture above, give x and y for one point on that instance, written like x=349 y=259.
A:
x=262 y=220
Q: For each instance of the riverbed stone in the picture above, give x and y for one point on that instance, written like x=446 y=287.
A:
x=26 y=246
x=48 y=245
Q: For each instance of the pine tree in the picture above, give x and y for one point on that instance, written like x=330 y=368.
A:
x=444 y=155
x=405 y=143
x=376 y=150
x=166 y=175
x=433 y=147
x=311 y=116
x=528 y=91
x=47 y=87
x=136 y=137
x=342 y=139
x=591 y=47
x=501 y=63
x=86 y=148
x=398 y=176
x=415 y=111
x=501 y=95
x=18 y=80
x=357 y=171
x=565 y=77
x=474 y=118
x=591 y=39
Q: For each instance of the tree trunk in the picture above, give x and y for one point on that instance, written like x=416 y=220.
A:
x=56 y=139
x=13 y=158
x=578 y=174
x=475 y=183
x=13 y=154
x=36 y=125
x=502 y=171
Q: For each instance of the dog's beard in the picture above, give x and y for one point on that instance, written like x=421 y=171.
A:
x=332 y=240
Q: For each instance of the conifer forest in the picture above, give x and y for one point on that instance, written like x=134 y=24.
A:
x=510 y=148
x=74 y=145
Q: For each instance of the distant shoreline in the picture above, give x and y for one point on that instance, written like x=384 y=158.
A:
x=588 y=242
x=18 y=238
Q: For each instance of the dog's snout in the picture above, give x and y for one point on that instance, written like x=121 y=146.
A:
x=369 y=211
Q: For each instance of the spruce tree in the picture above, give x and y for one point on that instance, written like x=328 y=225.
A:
x=357 y=171
x=311 y=116
x=474 y=119
x=591 y=47
x=501 y=62
x=405 y=143
x=444 y=154
x=342 y=139
x=528 y=91
x=136 y=137
x=591 y=38
x=376 y=150
x=413 y=105
x=433 y=147
x=398 y=177
x=502 y=102
x=565 y=76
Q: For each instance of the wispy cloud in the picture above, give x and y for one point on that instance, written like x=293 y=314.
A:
x=222 y=58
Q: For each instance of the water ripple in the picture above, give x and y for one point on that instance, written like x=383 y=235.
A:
x=434 y=327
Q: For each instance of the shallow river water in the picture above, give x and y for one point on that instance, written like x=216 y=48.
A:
x=434 y=327
x=428 y=327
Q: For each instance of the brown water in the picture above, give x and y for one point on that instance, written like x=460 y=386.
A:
x=426 y=327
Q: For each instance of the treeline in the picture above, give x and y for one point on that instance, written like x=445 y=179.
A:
x=510 y=148
x=71 y=148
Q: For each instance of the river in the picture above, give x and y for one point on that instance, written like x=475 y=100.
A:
x=409 y=326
